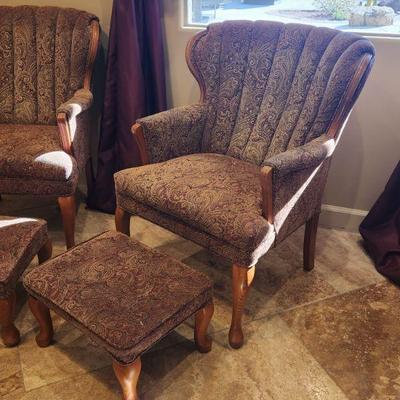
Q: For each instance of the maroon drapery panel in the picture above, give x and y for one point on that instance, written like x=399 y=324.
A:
x=134 y=87
x=381 y=229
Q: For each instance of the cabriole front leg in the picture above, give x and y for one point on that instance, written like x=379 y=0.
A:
x=242 y=278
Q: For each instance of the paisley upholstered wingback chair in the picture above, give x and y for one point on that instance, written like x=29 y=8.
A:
x=246 y=166
x=46 y=61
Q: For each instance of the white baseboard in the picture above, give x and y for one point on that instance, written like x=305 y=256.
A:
x=338 y=217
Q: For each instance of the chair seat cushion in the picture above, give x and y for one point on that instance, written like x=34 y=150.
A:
x=20 y=241
x=214 y=193
x=124 y=295
x=33 y=153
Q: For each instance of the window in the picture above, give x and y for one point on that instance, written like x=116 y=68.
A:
x=370 y=17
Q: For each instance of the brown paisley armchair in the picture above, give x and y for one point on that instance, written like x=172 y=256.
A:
x=243 y=169
x=46 y=60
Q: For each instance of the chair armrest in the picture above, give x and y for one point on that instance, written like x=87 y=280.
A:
x=303 y=157
x=78 y=103
x=171 y=133
x=73 y=125
x=293 y=181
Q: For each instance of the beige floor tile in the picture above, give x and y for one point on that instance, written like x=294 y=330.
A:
x=276 y=287
x=10 y=371
x=276 y=363
x=71 y=355
x=355 y=337
x=273 y=365
x=95 y=385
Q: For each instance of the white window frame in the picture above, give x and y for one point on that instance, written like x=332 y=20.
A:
x=186 y=26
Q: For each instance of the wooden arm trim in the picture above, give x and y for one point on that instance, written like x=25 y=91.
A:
x=266 y=192
x=140 y=141
x=193 y=68
x=336 y=126
x=93 y=48
x=347 y=100
x=64 y=133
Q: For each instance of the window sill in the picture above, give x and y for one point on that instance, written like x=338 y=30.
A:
x=369 y=35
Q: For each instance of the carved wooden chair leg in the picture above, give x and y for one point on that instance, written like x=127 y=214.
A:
x=202 y=320
x=310 y=237
x=45 y=252
x=68 y=214
x=42 y=315
x=128 y=376
x=122 y=221
x=9 y=333
x=242 y=278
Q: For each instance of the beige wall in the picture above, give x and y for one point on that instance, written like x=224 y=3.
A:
x=370 y=146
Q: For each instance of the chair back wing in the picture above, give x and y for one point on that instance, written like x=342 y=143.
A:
x=44 y=59
x=270 y=86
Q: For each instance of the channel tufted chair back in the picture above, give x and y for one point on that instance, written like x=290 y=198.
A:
x=271 y=87
x=44 y=54
x=47 y=56
x=247 y=165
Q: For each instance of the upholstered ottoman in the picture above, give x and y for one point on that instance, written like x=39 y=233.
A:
x=122 y=294
x=21 y=239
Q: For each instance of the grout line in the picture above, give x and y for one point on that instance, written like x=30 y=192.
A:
x=281 y=312
x=86 y=372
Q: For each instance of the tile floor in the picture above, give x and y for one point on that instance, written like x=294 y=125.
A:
x=332 y=333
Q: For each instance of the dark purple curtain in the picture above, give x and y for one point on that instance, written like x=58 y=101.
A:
x=381 y=229
x=135 y=87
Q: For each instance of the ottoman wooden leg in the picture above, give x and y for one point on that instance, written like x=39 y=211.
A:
x=9 y=333
x=128 y=376
x=45 y=252
x=42 y=315
x=202 y=320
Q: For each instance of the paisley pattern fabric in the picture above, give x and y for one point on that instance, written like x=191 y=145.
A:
x=270 y=92
x=43 y=57
x=20 y=240
x=124 y=295
x=174 y=133
x=298 y=182
x=215 y=193
x=31 y=156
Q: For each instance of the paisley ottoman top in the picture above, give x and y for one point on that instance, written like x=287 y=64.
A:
x=124 y=295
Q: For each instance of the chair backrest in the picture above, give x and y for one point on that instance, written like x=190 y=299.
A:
x=45 y=56
x=272 y=86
